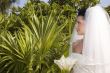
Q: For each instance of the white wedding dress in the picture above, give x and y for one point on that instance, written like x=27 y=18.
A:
x=95 y=57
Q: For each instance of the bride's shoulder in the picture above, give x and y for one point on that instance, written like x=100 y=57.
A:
x=79 y=41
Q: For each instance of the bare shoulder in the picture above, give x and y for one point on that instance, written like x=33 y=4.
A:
x=77 y=46
x=78 y=42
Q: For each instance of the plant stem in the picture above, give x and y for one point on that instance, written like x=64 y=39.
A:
x=65 y=71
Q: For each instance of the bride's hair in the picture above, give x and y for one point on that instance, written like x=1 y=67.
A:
x=81 y=12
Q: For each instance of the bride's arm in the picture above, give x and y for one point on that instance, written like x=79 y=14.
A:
x=77 y=46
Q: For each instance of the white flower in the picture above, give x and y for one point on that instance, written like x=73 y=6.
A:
x=65 y=63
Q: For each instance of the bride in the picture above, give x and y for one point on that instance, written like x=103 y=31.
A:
x=90 y=42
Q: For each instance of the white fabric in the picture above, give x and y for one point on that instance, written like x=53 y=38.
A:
x=97 y=35
x=95 y=57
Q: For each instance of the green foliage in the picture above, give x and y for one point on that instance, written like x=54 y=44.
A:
x=33 y=48
x=75 y=3
x=108 y=10
x=5 y=4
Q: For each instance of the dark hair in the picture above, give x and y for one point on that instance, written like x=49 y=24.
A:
x=81 y=12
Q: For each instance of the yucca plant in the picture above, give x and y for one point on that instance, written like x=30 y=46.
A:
x=33 y=48
x=47 y=32
x=16 y=52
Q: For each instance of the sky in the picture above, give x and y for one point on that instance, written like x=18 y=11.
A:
x=21 y=3
x=105 y=3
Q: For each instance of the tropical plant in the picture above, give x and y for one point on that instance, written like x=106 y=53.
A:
x=30 y=49
x=75 y=3
x=108 y=9
x=4 y=4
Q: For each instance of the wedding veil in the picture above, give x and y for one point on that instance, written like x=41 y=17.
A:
x=96 y=44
